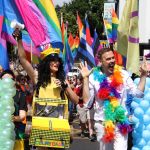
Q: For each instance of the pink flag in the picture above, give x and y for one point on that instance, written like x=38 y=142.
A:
x=34 y=21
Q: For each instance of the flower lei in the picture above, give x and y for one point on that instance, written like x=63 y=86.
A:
x=114 y=112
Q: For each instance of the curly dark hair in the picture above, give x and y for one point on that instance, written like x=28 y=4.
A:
x=44 y=71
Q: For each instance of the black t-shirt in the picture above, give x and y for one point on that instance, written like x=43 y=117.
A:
x=20 y=104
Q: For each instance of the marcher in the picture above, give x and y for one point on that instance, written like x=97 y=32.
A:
x=86 y=115
x=50 y=73
x=49 y=77
x=109 y=84
x=19 y=116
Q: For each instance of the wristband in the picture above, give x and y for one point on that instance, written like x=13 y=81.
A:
x=64 y=85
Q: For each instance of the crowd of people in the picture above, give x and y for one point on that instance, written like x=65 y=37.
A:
x=98 y=95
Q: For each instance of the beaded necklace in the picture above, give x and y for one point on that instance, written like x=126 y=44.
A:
x=113 y=111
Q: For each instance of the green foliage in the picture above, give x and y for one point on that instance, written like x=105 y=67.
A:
x=93 y=8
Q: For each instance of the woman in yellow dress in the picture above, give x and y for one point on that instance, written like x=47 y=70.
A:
x=49 y=78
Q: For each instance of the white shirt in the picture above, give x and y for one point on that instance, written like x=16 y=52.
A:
x=128 y=87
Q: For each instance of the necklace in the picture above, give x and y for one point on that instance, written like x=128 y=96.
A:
x=113 y=111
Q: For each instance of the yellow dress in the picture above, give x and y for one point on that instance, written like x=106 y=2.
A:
x=51 y=91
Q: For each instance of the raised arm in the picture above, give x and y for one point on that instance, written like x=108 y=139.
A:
x=143 y=70
x=22 y=57
x=72 y=95
x=85 y=74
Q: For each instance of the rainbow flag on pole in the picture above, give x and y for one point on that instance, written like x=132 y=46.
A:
x=67 y=54
x=4 y=62
x=75 y=47
x=115 y=23
x=54 y=31
x=1 y=15
x=108 y=29
x=88 y=34
x=11 y=13
x=71 y=41
x=80 y=25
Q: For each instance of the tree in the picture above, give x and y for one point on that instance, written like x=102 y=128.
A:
x=93 y=8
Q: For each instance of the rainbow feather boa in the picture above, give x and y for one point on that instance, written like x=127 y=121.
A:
x=114 y=112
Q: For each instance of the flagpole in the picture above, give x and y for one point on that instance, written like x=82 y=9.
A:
x=105 y=30
x=31 y=55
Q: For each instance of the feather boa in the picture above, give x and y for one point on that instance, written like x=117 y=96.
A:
x=114 y=112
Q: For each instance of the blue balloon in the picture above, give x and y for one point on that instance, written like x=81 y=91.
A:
x=146 y=147
x=135 y=134
x=144 y=104
x=147 y=95
x=138 y=112
x=135 y=119
x=139 y=127
x=148 y=127
x=135 y=148
x=148 y=111
x=141 y=143
x=137 y=100
x=148 y=143
x=146 y=135
x=148 y=82
x=134 y=104
x=146 y=91
x=146 y=119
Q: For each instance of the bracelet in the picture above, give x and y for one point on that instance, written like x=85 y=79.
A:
x=64 y=85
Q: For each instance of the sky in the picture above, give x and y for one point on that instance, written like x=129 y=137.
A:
x=60 y=2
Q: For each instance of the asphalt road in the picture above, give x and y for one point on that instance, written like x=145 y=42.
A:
x=78 y=142
x=83 y=144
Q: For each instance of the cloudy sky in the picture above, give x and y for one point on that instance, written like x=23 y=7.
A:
x=60 y=2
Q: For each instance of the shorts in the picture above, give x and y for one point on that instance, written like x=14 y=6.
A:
x=85 y=113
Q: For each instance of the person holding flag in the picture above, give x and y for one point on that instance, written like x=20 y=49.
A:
x=50 y=69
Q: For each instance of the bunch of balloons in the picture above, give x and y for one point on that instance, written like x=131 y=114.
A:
x=7 y=134
x=141 y=119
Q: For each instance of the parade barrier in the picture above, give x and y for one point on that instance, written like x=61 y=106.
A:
x=50 y=126
x=141 y=119
x=7 y=134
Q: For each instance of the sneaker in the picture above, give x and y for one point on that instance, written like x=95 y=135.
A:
x=92 y=138
x=86 y=131
x=82 y=134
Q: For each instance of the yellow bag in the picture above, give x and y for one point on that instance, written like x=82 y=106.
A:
x=19 y=145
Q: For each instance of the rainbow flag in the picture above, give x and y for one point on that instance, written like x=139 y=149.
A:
x=63 y=31
x=4 y=62
x=75 y=47
x=80 y=25
x=88 y=34
x=115 y=23
x=67 y=54
x=53 y=26
x=71 y=41
x=76 y=42
x=108 y=29
x=11 y=13
x=32 y=58
x=35 y=22
x=1 y=15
